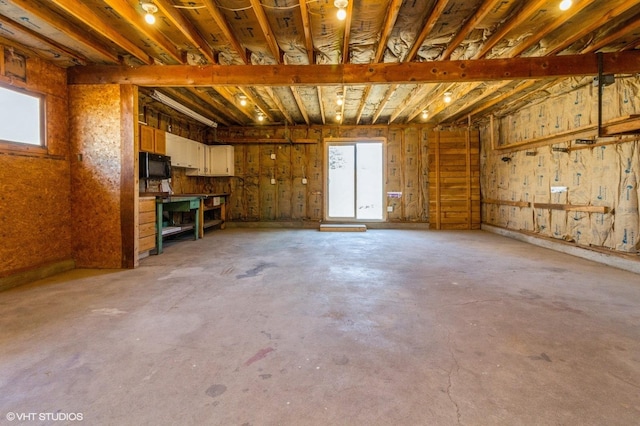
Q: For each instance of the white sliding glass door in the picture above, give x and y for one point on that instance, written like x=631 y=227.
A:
x=355 y=181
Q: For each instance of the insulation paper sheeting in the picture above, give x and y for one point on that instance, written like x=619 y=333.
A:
x=571 y=175
x=408 y=25
x=368 y=18
x=626 y=215
x=287 y=26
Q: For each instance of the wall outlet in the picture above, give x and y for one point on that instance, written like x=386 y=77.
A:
x=304 y=181
x=273 y=181
x=389 y=209
x=273 y=156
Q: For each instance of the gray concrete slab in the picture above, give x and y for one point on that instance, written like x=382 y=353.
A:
x=300 y=327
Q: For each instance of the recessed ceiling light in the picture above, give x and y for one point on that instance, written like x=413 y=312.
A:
x=565 y=4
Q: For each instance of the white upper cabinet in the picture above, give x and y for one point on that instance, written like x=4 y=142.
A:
x=200 y=159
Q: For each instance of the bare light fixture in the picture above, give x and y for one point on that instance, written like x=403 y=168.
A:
x=447 y=97
x=243 y=100
x=340 y=99
x=260 y=115
x=342 y=8
x=338 y=116
x=150 y=9
x=565 y=4
x=162 y=98
x=425 y=114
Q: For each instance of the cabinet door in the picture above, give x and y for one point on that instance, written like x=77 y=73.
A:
x=146 y=138
x=160 y=142
x=222 y=160
x=175 y=150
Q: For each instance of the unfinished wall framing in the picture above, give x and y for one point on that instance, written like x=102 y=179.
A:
x=546 y=172
x=299 y=155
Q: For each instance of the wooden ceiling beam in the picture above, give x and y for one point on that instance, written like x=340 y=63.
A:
x=347 y=33
x=463 y=109
x=383 y=103
x=503 y=97
x=549 y=28
x=468 y=27
x=258 y=103
x=358 y=74
x=276 y=100
x=191 y=104
x=222 y=23
x=66 y=28
x=560 y=45
x=320 y=102
x=306 y=24
x=16 y=28
x=300 y=103
x=525 y=13
x=236 y=114
x=432 y=18
x=266 y=30
x=624 y=30
x=390 y=21
x=136 y=20
x=186 y=28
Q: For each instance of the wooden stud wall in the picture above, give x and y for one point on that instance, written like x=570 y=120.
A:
x=454 y=179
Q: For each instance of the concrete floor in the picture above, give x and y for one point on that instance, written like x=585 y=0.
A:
x=299 y=327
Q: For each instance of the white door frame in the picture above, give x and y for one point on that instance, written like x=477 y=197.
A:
x=352 y=141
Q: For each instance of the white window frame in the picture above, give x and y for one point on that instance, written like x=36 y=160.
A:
x=41 y=144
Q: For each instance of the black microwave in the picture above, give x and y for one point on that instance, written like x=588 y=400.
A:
x=154 y=166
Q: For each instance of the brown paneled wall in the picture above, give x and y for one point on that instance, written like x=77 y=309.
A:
x=35 y=217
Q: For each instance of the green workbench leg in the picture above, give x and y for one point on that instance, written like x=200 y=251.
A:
x=159 y=227
x=196 y=229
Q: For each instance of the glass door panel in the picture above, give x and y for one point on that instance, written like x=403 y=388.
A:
x=341 y=165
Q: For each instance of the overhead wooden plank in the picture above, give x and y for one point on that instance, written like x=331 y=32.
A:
x=362 y=74
x=525 y=13
x=468 y=27
x=135 y=18
x=549 y=28
x=186 y=28
x=347 y=33
x=9 y=25
x=306 y=24
x=65 y=27
x=572 y=208
x=266 y=29
x=432 y=18
x=389 y=23
x=507 y=202
x=222 y=23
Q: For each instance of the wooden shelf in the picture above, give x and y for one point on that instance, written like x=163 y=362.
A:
x=172 y=230
x=213 y=222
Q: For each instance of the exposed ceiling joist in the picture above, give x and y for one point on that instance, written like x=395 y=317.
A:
x=438 y=8
x=124 y=9
x=308 y=40
x=186 y=28
x=347 y=33
x=218 y=17
x=266 y=30
x=66 y=28
x=358 y=74
x=300 y=103
x=7 y=24
x=471 y=23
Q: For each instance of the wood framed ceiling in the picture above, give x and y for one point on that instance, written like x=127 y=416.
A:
x=291 y=59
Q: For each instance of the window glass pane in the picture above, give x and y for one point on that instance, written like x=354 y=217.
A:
x=19 y=117
x=369 y=177
x=341 y=181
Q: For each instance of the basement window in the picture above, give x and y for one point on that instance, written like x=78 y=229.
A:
x=21 y=118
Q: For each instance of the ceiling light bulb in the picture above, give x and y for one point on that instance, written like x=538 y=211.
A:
x=340 y=100
x=447 y=97
x=260 y=117
x=342 y=11
x=150 y=8
x=565 y=4
x=425 y=114
x=243 y=100
x=338 y=117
